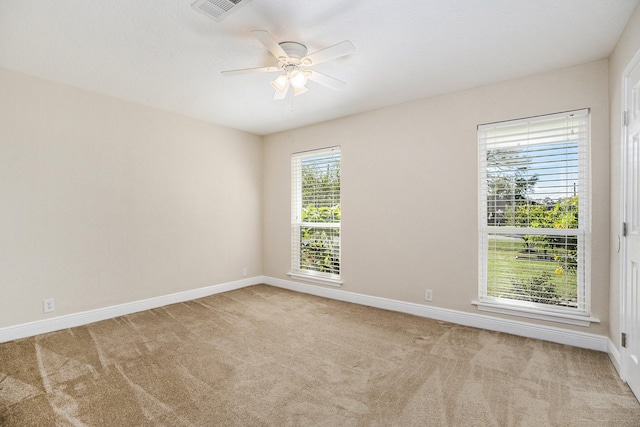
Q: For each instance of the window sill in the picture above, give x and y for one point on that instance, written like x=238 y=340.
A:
x=316 y=279
x=570 y=319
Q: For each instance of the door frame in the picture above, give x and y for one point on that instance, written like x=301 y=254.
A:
x=624 y=188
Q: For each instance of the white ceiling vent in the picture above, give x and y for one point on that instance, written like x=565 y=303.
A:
x=218 y=9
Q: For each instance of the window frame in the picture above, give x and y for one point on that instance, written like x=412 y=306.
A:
x=297 y=224
x=579 y=315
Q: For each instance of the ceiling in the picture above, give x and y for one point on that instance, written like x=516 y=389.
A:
x=164 y=54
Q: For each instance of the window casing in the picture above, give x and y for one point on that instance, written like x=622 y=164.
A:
x=315 y=215
x=534 y=214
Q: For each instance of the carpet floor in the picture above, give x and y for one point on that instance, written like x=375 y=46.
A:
x=263 y=356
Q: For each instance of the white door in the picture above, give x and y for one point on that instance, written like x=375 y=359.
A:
x=631 y=326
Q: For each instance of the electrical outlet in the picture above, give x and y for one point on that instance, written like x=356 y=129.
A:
x=48 y=305
x=244 y=272
x=428 y=294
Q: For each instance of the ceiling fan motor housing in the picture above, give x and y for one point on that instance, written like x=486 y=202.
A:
x=296 y=52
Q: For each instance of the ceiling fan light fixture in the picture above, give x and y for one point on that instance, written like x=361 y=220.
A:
x=299 y=90
x=281 y=83
x=298 y=79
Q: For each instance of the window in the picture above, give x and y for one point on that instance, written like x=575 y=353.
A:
x=315 y=215
x=534 y=214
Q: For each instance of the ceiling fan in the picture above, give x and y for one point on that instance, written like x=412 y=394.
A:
x=294 y=64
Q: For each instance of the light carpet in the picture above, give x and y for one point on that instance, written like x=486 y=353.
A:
x=263 y=356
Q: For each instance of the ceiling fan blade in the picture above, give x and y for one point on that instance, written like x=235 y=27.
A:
x=329 y=53
x=325 y=80
x=251 y=70
x=277 y=96
x=269 y=42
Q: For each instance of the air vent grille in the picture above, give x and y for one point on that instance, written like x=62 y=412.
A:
x=218 y=9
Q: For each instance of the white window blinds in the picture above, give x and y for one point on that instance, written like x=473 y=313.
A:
x=534 y=212
x=315 y=213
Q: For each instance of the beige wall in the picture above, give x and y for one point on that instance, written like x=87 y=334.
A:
x=105 y=202
x=410 y=181
x=628 y=45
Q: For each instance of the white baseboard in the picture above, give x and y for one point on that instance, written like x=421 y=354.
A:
x=515 y=327
x=83 y=318
x=614 y=355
